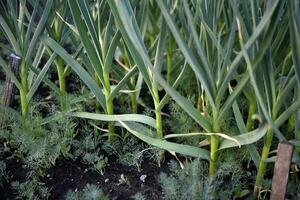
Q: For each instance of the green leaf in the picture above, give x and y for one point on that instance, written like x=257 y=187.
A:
x=122 y=82
x=90 y=48
x=9 y=73
x=245 y=138
x=31 y=22
x=90 y=23
x=37 y=59
x=290 y=110
x=295 y=142
x=178 y=80
x=40 y=77
x=115 y=118
x=201 y=74
x=85 y=77
x=10 y=36
x=294 y=22
x=140 y=132
x=253 y=38
x=46 y=80
x=141 y=57
x=125 y=25
x=242 y=128
x=111 y=52
x=7 y=110
x=38 y=31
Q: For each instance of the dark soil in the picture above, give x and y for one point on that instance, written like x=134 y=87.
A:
x=68 y=175
x=16 y=172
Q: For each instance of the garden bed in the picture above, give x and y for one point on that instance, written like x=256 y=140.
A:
x=153 y=99
x=67 y=175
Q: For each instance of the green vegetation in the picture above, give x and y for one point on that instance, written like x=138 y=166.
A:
x=90 y=192
x=214 y=83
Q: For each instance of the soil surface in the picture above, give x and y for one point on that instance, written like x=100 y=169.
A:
x=69 y=175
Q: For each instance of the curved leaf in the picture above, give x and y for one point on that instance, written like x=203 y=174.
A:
x=246 y=138
x=115 y=118
x=139 y=131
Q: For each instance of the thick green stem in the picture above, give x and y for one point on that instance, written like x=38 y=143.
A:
x=24 y=103
x=61 y=77
x=263 y=165
x=133 y=103
x=133 y=99
x=109 y=106
x=213 y=154
x=62 y=82
x=290 y=128
x=111 y=126
x=252 y=109
x=199 y=102
x=24 y=90
x=97 y=104
x=159 y=124
x=214 y=143
x=158 y=117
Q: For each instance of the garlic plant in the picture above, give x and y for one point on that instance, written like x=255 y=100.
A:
x=236 y=51
x=22 y=33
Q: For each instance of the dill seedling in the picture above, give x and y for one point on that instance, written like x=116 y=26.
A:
x=89 y=192
x=129 y=152
x=193 y=183
x=31 y=189
x=3 y=173
x=36 y=144
x=180 y=122
x=138 y=196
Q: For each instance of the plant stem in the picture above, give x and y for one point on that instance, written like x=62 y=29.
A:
x=133 y=95
x=24 y=90
x=24 y=104
x=111 y=127
x=158 y=120
x=133 y=103
x=133 y=99
x=199 y=103
x=158 y=117
x=97 y=104
x=213 y=154
x=62 y=82
x=290 y=128
x=263 y=165
x=159 y=124
x=252 y=108
x=109 y=106
x=214 y=143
